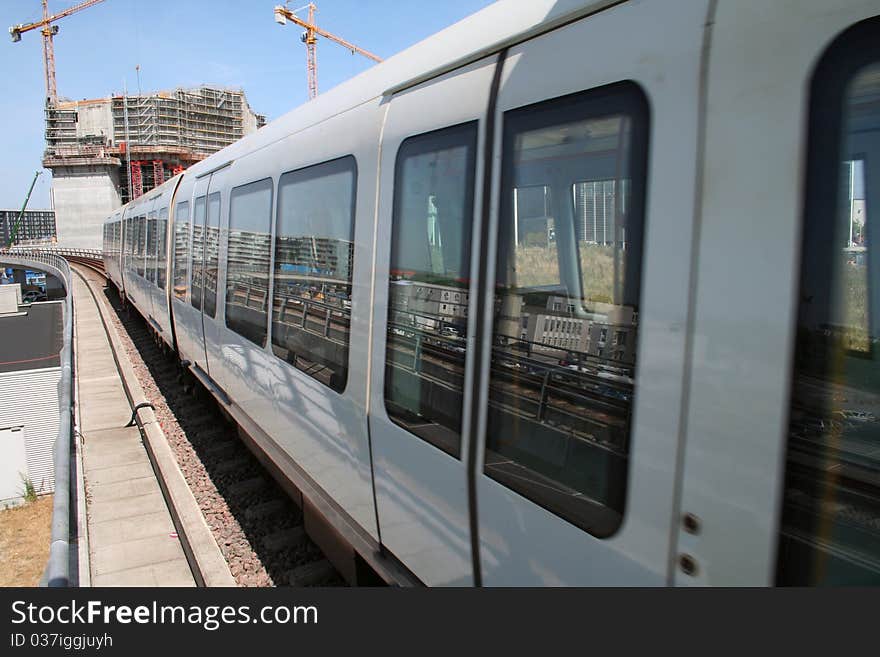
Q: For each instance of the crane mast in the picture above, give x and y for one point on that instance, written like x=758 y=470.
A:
x=310 y=38
x=48 y=30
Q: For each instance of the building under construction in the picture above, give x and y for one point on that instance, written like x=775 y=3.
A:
x=89 y=144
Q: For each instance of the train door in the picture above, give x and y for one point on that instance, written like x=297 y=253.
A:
x=781 y=462
x=197 y=287
x=419 y=412
x=214 y=290
x=583 y=324
x=151 y=244
x=124 y=252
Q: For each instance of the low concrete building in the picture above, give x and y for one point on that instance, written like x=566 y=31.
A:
x=31 y=338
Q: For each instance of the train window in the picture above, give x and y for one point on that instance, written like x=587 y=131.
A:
x=247 y=268
x=129 y=243
x=314 y=257
x=569 y=251
x=181 y=250
x=212 y=253
x=152 y=244
x=162 y=255
x=830 y=528
x=198 y=251
x=430 y=266
x=141 y=244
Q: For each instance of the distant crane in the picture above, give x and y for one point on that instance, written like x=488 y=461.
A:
x=48 y=31
x=309 y=37
x=14 y=233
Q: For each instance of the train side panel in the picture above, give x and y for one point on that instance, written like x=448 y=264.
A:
x=298 y=369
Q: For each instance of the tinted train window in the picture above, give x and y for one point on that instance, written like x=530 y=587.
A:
x=152 y=244
x=198 y=251
x=314 y=257
x=162 y=255
x=428 y=286
x=129 y=236
x=830 y=533
x=247 y=269
x=212 y=253
x=181 y=250
x=141 y=244
x=566 y=303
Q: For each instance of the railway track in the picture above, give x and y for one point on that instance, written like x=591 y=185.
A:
x=258 y=528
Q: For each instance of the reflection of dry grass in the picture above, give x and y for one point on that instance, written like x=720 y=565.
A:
x=538 y=265
x=856 y=308
x=25 y=533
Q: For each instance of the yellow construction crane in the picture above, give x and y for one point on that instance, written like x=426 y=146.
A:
x=48 y=31
x=310 y=38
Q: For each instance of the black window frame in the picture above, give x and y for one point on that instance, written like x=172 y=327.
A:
x=465 y=134
x=628 y=99
x=195 y=300
x=348 y=162
x=854 y=49
x=181 y=269
x=233 y=325
x=162 y=250
x=209 y=296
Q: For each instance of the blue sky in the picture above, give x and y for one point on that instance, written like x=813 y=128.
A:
x=232 y=43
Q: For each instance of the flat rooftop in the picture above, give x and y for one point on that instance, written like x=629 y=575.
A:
x=32 y=338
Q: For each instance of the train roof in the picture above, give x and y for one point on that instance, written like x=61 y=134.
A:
x=499 y=25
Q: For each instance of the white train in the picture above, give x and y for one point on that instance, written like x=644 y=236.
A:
x=575 y=292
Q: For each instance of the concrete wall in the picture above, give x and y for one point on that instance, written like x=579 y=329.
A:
x=10 y=298
x=83 y=197
x=94 y=119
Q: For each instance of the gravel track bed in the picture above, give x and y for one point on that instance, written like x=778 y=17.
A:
x=256 y=525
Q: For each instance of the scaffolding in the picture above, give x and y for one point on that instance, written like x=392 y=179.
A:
x=203 y=120
x=167 y=132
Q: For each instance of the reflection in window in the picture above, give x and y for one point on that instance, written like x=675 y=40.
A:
x=831 y=508
x=181 y=250
x=162 y=256
x=198 y=251
x=428 y=286
x=212 y=254
x=247 y=271
x=152 y=244
x=126 y=261
x=141 y=244
x=560 y=391
x=314 y=257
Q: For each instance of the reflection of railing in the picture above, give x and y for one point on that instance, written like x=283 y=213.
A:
x=57 y=572
x=582 y=404
x=309 y=312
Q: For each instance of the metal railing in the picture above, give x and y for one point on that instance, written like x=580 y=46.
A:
x=57 y=571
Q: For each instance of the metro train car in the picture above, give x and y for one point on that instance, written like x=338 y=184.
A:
x=574 y=292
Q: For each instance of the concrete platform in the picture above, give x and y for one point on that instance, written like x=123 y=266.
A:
x=132 y=540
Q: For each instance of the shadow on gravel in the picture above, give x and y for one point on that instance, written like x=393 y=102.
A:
x=270 y=523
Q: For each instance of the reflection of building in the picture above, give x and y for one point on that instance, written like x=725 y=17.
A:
x=595 y=211
x=555 y=326
x=246 y=247
x=36 y=225
x=606 y=331
x=613 y=341
x=321 y=257
x=428 y=305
